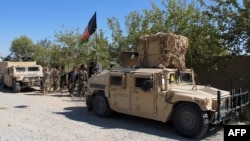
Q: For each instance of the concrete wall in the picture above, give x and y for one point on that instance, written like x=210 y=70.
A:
x=232 y=73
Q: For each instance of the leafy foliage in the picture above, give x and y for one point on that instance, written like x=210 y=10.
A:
x=232 y=20
x=22 y=46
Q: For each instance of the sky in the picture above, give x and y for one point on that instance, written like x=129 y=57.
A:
x=40 y=19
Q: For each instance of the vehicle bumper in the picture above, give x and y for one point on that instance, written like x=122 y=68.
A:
x=228 y=107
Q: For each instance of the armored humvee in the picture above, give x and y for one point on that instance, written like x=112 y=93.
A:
x=20 y=75
x=163 y=94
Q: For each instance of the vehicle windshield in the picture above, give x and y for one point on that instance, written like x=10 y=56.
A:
x=186 y=77
x=33 y=68
x=20 y=69
x=180 y=77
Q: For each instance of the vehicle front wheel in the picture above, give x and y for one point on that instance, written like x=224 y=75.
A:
x=89 y=103
x=101 y=106
x=2 y=83
x=16 y=88
x=190 y=121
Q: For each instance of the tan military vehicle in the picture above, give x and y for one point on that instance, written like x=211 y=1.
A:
x=19 y=75
x=163 y=94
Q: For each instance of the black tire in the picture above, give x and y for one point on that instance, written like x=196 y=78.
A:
x=3 y=84
x=101 y=106
x=190 y=121
x=89 y=103
x=16 y=88
x=1 y=81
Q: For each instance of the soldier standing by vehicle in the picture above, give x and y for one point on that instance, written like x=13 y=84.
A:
x=62 y=78
x=55 y=79
x=45 y=81
x=72 y=78
x=83 y=79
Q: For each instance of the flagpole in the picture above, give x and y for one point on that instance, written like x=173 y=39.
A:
x=96 y=54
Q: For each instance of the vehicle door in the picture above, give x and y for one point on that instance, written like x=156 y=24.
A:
x=8 y=76
x=143 y=98
x=119 y=90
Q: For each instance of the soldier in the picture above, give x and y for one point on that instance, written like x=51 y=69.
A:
x=55 y=79
x=72 y=78
x=83 y=79
x=62 y=78
x=45 y=81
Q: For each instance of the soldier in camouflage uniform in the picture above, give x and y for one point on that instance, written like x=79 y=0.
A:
x=83 y=79
x=62 y=78
x=45 y=81
x=72 y=79
x=55 y=79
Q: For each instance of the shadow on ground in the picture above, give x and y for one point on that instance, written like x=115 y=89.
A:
x=25 y=90
x=128 y=122
x=21 y=106
x=120 y=121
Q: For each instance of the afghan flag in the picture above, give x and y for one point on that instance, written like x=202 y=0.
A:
x=89 y=30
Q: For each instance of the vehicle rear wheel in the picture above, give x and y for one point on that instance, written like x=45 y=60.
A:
x=16 y=88
x=189 y=120
x=101 y=106
x=2 y=83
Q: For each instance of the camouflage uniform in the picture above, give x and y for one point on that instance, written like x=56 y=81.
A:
x=83 y=79
x=55 y=79
x=45 y=81
x=62 y=78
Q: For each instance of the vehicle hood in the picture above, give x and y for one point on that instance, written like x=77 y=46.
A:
x=198 y=91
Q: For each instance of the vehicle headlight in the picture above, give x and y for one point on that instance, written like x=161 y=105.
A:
x=206 y=102
x=223 y=104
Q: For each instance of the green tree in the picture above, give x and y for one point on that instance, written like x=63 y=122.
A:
x=232 y=19
x=22 y=46
x=41 y=55
x=103 y=54
x=118 y=40
x=176 y=16
x=65 y=51
x=42 y=52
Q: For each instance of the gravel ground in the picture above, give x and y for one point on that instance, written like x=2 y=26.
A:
x=30 y=116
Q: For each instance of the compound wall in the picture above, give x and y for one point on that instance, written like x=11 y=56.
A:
x=232 y=73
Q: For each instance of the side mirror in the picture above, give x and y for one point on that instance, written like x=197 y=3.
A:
x=147 y=85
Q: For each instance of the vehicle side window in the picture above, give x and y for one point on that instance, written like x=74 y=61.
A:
x=139 y=82
x=33 y=68
x=173 y=78
x=20 y=69
x=116 y=80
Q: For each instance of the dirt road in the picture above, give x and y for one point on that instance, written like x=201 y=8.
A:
x=30 y=116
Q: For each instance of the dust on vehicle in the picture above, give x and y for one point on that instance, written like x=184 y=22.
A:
x=162 y=88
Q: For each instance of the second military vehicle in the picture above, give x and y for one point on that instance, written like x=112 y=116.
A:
x=20 y=75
